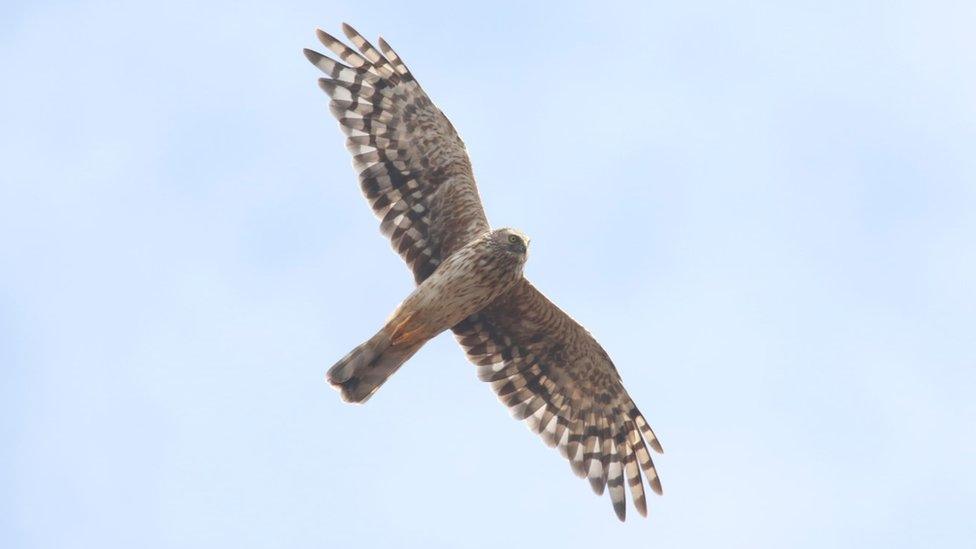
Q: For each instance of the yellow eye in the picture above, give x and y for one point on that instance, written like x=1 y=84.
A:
x=514 y=239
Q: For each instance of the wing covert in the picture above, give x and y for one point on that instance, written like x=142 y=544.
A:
x=552 y=373
x=412 y=166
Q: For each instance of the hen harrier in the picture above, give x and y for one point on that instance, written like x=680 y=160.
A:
x=417 y=177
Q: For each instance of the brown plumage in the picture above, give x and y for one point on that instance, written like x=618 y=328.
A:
x=542 y=364
x=463 y=284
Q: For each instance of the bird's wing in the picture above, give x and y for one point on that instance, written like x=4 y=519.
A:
x=551 y=372
x=413 y=167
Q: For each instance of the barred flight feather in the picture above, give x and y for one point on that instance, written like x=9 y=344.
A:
x=551 y=372
x=406 y=152
x=415 y=173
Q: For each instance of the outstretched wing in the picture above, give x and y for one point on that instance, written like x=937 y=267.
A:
x=551 y=372
x=412 y=165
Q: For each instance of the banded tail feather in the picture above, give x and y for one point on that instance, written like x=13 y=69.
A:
x=359 y=374
x=416 y=176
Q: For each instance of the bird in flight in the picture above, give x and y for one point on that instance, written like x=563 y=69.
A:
x=543 y=365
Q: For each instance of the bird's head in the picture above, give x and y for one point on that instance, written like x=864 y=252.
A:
x=511 y=241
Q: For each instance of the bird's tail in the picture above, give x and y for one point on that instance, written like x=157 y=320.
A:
x=360 y=373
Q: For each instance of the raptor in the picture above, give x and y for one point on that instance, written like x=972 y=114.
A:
x=542 y=364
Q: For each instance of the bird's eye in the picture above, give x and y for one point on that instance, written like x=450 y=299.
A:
x=514 y=239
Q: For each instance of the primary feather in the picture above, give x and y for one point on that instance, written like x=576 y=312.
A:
x=542 y=364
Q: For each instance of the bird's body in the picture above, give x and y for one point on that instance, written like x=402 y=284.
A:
x=542 y=364
x=467 y=281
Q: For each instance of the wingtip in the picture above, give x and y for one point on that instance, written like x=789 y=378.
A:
x=325 y=37
x=312 y=55
x=641 y=505
x=620 y=508
x=656 y=486
x=657 y=446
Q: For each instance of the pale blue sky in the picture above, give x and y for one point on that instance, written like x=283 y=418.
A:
x=766 y=213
